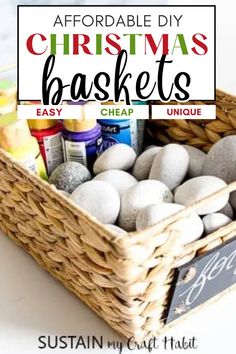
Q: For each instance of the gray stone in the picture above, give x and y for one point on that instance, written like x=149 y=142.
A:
x=144 y=162
x=121 y=180
x=196 y=160
x=117 y=157
x=69 y=175
x=144 y=193
x=190 y=228
x=170 y=165
x=99 y=199
x=214 y=221
x=198 y=188
x=221 y=160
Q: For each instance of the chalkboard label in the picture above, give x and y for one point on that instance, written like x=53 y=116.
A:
x=203 y=278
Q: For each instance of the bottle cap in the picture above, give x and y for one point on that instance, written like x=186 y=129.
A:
x=112 y=103
x=139 y=103
x=29 y=103
x=14 y=134
x=76 y=103
x=78 y=125
x=7 y=88
x=39 y=134
x=7 y=104
x=81 y=103
x=42 y=124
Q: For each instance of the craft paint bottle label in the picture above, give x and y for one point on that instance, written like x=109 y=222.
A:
x=75 y=151
x=126 y=131
x=53 y=152
x=82 y=141
x=50 y=142
x=30 y=163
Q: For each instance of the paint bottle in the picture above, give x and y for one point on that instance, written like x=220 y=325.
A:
x=13 y=132
x=8 y=119
x=82 y=141
x=7 y=104
x=29 y=103
x=48 y=134
x=29 y=155
x=126 y=131
x=15 y=138
x=140 y=127
x=76 y=103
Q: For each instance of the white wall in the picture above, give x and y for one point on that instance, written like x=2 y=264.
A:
x=8 y=21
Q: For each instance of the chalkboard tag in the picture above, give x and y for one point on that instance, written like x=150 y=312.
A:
x=202 y=278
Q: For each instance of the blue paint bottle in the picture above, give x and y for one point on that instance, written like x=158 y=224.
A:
x=126 y=131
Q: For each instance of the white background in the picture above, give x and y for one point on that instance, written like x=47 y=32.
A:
x=33 y=303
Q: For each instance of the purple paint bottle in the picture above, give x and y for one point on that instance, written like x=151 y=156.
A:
x=82 y=141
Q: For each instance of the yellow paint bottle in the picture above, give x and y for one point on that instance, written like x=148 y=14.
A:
x=8 y=118
x=16 y=139
x=13 y=132
x=29 y=155
x=7 y=105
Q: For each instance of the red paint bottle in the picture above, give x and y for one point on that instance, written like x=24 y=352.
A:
x=48 y=134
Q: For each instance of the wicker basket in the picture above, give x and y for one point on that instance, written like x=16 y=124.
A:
x=199 y=133
x=126 y=280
